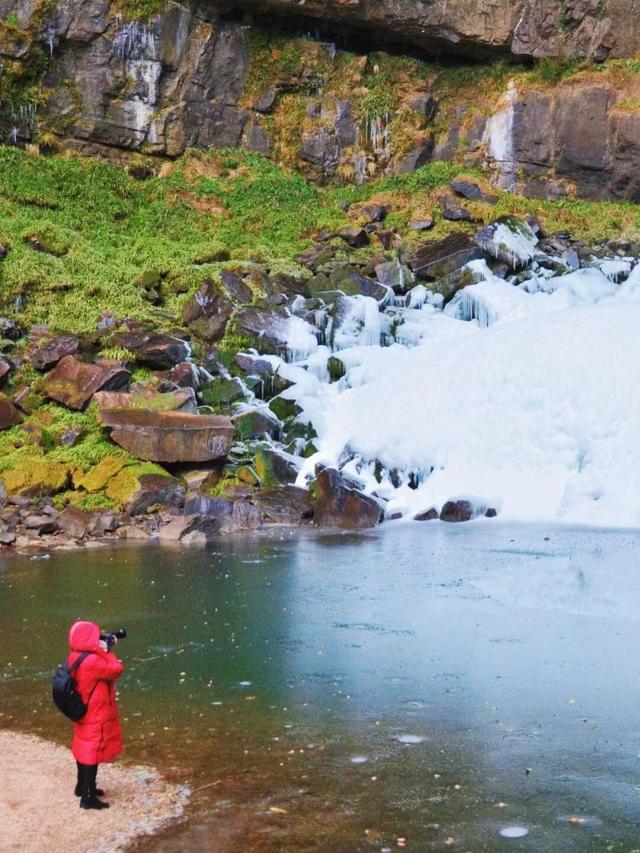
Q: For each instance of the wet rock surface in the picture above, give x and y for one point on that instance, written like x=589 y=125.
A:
x=170 y=436
x=184 y=80
x=73 y=383
x=337 y=504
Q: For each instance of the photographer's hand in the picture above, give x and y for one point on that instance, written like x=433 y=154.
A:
x=104 y=646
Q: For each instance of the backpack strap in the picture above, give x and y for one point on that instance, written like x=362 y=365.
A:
x=77 y=663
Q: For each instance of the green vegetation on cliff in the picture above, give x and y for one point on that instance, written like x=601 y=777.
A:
x=83 y=237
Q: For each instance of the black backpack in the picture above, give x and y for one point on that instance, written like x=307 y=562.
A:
x=64 y=690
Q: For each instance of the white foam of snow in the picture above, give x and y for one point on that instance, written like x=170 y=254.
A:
x=537 y=417
x=516 y=242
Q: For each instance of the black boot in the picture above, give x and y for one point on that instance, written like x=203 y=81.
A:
x=88 y=791
x=78 y=789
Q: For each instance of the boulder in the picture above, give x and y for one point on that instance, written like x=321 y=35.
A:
x=151 y=491
x=189 y=530
x=231 y=515
x=236 y=288
x=73 y=383
x=508 y=240
x=50 y=350
x=354 y=236
x=36 y=477
x=267 y=101
x=437 y=258
x=255 y=424
x=274 y=467
x=71 y=436
x=208 y=312
x=41 y=524
x=423 y=224
x=97 y=477
x=471 y=191
x=9 y=415
x=222 y=392
x=452 y=210
x=155 y=350
x=5 y=370
x=268 y=328
x=185 y=375
x=337 y=504
x=394 y=274
x=284 y=505
x=7 y=537
x=352 y=283
x=460 y=510
x=430 y=514
x=180 y=400
x=170 y=436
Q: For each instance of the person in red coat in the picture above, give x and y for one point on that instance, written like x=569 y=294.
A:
x=97 y=736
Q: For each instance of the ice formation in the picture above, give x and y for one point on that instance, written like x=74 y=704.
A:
x=523 y=396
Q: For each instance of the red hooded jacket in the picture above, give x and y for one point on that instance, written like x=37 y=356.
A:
x=97 y=736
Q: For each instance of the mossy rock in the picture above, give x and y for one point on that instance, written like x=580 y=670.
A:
x=97 y=478
x=335 y=368
x=256 y=424
x=247 y=475
x=148 y=279
x=48 y=238
x=274 y=469
x=284 y=409
x=222 y=392
x=36 y=478
x=124 y=486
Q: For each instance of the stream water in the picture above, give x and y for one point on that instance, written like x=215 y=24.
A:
x=424 y=681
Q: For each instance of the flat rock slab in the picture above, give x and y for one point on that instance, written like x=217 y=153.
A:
x=170 y=436
x=73 y=382
x=180 y=400
x=39 y=813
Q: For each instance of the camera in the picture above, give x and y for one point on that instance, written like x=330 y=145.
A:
x=110 y=638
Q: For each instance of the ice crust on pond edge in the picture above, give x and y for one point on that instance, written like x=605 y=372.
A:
x=522 y=397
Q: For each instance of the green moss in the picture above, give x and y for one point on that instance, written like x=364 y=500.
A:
x=36 y=477
x=139 y=10
x=553 y=71
x=221 y=392
x=124 y=485
x=97 y=477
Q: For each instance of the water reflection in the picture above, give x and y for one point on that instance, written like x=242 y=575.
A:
x=404 y=682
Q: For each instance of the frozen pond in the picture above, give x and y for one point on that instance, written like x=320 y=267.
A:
x=425 y=682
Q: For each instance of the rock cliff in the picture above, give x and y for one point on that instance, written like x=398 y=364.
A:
x=529 y=28
x=214 y=75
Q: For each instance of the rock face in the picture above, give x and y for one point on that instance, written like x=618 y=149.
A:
x=73 y=383
x=338 y=505
x=533 y=28
x=170 y=436
x=185 y=80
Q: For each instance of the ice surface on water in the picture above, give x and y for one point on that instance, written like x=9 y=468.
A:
x=410 y=739
x=514 y=832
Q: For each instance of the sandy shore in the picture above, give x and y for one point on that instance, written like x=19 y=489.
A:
x=39 y=812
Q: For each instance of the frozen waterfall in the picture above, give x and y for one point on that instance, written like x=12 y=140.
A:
x=522 y=394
